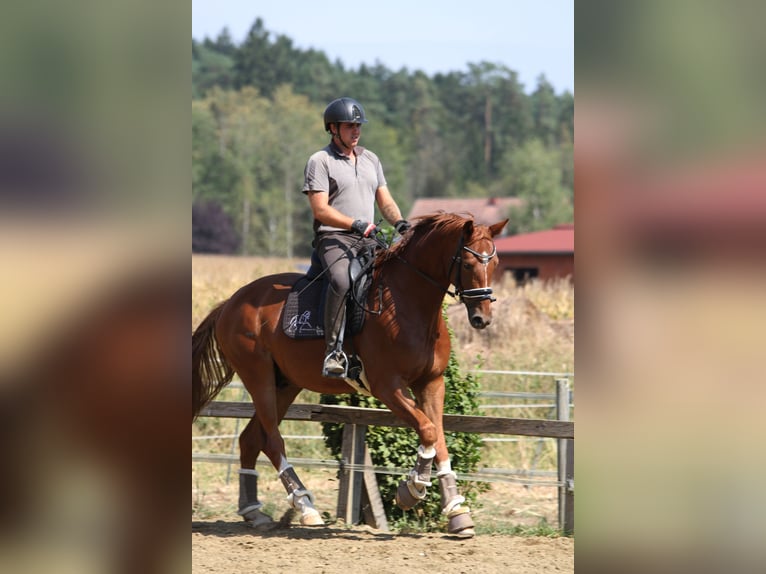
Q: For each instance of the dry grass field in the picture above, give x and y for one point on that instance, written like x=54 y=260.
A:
x=532 y=330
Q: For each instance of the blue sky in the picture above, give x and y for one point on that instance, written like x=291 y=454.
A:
x=532 y=37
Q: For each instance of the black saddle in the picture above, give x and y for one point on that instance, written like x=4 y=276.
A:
x=303 y=314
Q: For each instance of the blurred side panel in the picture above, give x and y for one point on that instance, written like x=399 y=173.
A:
x=671 y=245
x=94 y=269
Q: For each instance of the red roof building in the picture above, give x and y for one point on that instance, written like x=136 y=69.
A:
x=543 y=255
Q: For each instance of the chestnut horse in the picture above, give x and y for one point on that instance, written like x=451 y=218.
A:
x=404 y=348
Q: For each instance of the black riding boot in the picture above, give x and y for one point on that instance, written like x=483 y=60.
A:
x=336 y=362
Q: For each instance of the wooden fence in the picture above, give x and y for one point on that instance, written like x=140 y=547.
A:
x=358 y=496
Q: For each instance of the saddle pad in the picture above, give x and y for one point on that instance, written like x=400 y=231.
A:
x=301 y=316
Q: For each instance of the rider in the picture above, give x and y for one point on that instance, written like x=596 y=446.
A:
x=343 y=182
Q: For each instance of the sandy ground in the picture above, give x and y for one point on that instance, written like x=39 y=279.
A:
x=223 y=543
x=232 y=547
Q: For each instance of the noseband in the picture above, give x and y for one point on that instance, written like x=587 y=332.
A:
x=478 y=294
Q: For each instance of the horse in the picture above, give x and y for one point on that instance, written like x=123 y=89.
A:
x=404 y=348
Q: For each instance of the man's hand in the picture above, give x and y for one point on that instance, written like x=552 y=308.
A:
x=364 y=228
x=402 y=226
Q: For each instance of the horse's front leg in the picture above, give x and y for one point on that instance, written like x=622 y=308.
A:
x=431 y=399
x=412 y=490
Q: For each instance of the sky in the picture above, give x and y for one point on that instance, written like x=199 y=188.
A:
x=531 y=37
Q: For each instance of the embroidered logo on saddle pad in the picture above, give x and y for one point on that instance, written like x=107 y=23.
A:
x=302 y=315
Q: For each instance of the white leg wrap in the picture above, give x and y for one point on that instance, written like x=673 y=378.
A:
x=420 y=476
x=450 y=498
x=453 y=504
x=248 y=491
x=250 y=471
x=419 y=493
x=249 y=505
x=294 y=496
x=247 y=509
x=426 y=452
x=417 y=481
x=299 y=497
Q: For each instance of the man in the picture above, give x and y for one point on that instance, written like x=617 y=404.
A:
x=343 y=182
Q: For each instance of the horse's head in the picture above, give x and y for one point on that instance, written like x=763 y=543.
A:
x=475 y=263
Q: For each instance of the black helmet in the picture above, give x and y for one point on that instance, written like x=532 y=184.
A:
x=344 y=110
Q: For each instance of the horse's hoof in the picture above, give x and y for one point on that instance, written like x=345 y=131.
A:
x=311 y=518
x=460 y=524
x=405 y=497
x=257 y=519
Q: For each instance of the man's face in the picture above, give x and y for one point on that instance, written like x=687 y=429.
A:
x=350 y=133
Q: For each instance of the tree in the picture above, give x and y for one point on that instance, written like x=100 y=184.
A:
x=264 y=145
x=545 y=110
x=264 y=64
x=210 y=67
x=533 y=173
x=214 y=176
x=212 y=230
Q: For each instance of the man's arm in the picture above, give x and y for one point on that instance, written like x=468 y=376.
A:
x=325 y=213
x=387 y=205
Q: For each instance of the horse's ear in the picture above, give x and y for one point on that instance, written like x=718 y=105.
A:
x=468 y=229
x=497 y=228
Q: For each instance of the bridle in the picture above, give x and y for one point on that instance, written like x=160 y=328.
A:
x=466 y=296
x=477 y=294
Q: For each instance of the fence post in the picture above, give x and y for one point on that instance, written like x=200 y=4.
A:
x=565 y=461
x=372 y=504
x=350 y=486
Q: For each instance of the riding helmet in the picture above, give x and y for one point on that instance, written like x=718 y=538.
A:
x=344 y=110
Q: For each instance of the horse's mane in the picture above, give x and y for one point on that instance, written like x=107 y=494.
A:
x=423 y=227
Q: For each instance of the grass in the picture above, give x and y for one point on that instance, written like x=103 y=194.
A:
x=542 y=528
x=532 y=330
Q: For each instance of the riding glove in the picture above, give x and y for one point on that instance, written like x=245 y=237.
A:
x=364 y=228
x=402 y=226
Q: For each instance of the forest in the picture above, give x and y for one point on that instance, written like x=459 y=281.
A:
x=257 y=116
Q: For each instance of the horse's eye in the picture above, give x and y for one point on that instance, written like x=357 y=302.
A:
x=467 y=266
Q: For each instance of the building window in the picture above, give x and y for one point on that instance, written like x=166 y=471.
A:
x=522 y=274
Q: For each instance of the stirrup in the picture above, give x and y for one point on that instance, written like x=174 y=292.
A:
x=340 y=357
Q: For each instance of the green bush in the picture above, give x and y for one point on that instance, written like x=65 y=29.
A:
x=396 y=447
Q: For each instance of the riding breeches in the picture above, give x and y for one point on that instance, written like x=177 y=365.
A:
x=335 y=251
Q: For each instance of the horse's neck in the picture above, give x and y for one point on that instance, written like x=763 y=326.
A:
x=433 y=258
x=422 y=278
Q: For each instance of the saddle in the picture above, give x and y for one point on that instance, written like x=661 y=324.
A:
x=303 y=314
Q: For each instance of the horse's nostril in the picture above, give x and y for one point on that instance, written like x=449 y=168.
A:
x=478 y=323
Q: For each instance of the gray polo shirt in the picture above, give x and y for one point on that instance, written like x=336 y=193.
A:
x=351 y=187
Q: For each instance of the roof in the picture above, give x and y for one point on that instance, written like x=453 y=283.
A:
x=560 y=239
x=485 y=211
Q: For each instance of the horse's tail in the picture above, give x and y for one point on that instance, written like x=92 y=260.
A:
x=211 y=372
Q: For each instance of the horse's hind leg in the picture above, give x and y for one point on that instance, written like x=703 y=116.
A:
x=271 y=399
x=251 y=442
